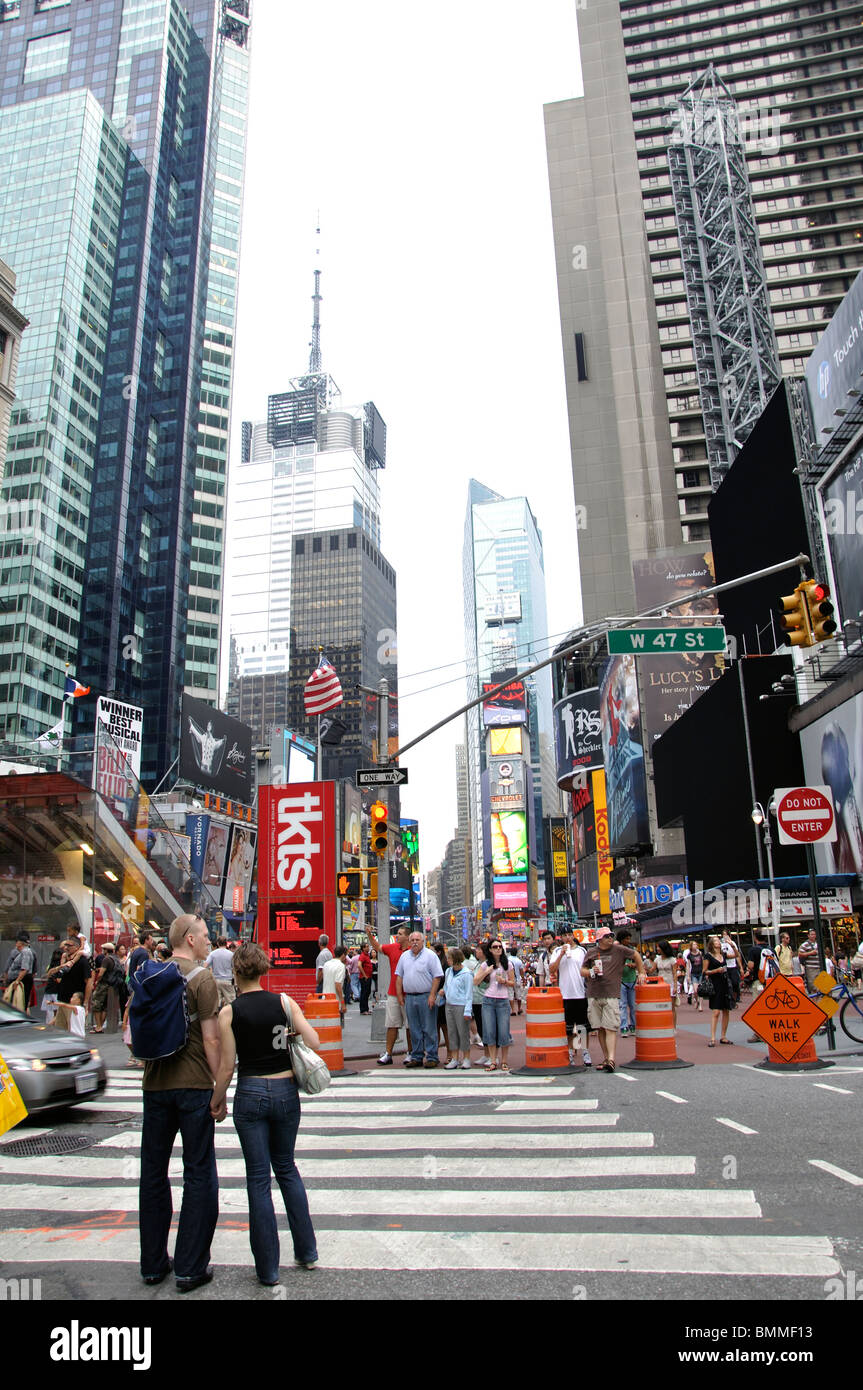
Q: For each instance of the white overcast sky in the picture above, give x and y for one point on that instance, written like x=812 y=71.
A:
x=417 y=131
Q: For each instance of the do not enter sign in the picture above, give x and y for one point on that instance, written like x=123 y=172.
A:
x=805 y=815
x=784 y=1016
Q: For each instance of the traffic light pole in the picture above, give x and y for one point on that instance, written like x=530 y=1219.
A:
x=384 y=794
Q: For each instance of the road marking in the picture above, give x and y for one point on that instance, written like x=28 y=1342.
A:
x=542 y=1104
x=677 y=1099
x=405 y=1167
x=732 y=1124
x=735 y=1256
x=629 y=1202
x=840 y=1090
x=837 y=1172
x=624 y=1075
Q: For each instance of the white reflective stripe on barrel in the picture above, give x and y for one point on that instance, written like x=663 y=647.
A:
x=547 y=1042
x=329 y=1047
x=651 y=1033
x=545 y=1018
x=658 y=1008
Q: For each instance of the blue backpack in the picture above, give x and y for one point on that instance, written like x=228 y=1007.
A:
x=159 y=1016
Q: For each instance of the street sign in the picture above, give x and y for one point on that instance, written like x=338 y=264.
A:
x=659 y=641
x=784 y=1016
x=805 y=815
x=381 y=776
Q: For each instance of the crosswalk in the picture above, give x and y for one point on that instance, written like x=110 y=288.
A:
x=399 y=1175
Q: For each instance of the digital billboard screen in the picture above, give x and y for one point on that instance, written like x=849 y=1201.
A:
x=509 y=847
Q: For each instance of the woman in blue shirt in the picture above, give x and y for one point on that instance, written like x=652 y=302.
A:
x=458 y=988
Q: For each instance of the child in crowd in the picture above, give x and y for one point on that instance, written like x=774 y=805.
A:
x=73 y=1015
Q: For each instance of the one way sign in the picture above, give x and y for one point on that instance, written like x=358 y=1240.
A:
x=381 y=776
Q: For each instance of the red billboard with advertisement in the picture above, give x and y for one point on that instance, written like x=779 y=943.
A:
x=296 y=881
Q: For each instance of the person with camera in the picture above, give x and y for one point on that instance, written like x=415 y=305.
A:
x=602 y=968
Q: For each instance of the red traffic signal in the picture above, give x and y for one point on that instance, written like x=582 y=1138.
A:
x=821 y=622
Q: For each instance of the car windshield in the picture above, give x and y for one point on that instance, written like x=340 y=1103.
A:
x=9 y=1015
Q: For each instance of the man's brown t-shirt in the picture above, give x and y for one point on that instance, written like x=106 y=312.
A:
x=614 y=958
x=188 y=1069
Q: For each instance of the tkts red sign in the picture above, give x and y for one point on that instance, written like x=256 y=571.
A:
x=296 y=880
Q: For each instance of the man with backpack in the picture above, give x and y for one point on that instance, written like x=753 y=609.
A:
x=109 y=975
x=173 y=1016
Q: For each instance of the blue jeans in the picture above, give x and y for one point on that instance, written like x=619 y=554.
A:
x=627 y=1005
x=267 y=1117
x=422 y=1023
x=495 y=1023
x=166 y=1112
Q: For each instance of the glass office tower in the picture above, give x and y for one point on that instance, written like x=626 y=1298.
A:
x=129 y=268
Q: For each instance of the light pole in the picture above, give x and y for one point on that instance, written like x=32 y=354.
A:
x=759 y=818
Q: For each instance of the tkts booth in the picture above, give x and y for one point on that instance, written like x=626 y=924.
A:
x=296 y=881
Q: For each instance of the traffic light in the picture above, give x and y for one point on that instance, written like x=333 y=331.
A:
x=794 y=619
x=350 y=884
x=379 y=814
x=821 y=623
x=452 y=919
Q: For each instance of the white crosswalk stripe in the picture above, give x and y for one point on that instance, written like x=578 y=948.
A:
x=374 y=1152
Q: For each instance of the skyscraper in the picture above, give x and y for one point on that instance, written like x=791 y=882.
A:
x=307 y=570
x=122 y=137
x=506 y=628
x=794 y=69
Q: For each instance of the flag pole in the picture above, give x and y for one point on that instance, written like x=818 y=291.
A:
x=63 y=730
x=320 y=774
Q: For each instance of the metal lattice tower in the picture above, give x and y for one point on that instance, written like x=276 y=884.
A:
x=726 y=287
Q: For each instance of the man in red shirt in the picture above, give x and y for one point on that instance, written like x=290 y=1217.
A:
x=366 y=971
x=395 y=1011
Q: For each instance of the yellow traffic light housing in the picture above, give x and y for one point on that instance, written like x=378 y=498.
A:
x=358 y=884
x=794 y=618
x=452 y=919
x=379 y=829
x=822 y=625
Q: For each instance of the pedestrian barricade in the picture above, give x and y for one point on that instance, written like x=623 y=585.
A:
x=322 y=1012
x=545 y=1041
x=655 y=1037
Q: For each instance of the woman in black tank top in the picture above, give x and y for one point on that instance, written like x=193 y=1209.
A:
x=266 y=1109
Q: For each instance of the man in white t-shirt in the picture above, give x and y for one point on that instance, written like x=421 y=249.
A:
x=565 y=970
x=334 y=973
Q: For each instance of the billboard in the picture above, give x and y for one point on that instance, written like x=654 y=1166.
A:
x=842 y=501
x=669 y=685
x=215 y=856
x=623 y=755
x=215 y=751
x=510 y=893
x=509 y=849
x=509 y=706
x=296 y=880
x=577 y=735
x=352 y=823
x=591 y=879
x=836 y=364
x=506 y=784
x=505 y=743
x=408 y=845
x=125 y=724
x=197 y=829
x=505 y=608
x=238 y=874
x=833 y=756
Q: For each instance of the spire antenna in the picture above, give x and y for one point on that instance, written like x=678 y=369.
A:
x=315 y=366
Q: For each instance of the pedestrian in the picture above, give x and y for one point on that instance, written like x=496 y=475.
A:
x=603 y=970
x=734 y=962
x=142 y=952
x=52 y=981
x=666 y=961
x=334 y=976
x=352 y=964
x=627 y=989
x=695 y=970
x=810 y=959
x=19 y=973
x=479 y=991
x=76 y=973
x=324 y=954
x=471 y=965
x=565 y=965
x=418 y=979
x=252 y=1031
x=74 y=1015
x=442 y=1029
x=495 y=1006
x=178 y=1096
x=106 y=977
x=365 y=970
x=122 y=955
x=395 y=1017
x=716 y=971
x=517 y=995
x=221 y=962
x=651 y=966
x=543 y=960
x=458 y=992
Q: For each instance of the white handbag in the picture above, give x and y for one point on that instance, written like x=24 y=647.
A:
x=311 y=1072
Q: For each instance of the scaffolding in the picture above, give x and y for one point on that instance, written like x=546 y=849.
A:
x=734 y=345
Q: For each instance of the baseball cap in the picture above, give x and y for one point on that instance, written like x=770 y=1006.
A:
x=602 y=931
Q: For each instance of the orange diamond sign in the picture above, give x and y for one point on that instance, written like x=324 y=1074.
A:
x=784 y=1016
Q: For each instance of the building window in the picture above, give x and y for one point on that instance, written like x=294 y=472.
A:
x=316 y=545
x=580 y=357
x=334 y=542
x=47 y=57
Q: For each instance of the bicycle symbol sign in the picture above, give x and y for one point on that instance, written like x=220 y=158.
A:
x=784 y=1016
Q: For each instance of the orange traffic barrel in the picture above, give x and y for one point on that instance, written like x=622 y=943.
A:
x=806 y=1059
x=545 y=1028
x=322 y=1012
x=655 y=1037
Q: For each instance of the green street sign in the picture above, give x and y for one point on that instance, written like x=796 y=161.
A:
x=659 y=641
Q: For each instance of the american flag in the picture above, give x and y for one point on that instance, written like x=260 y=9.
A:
x=322 y=689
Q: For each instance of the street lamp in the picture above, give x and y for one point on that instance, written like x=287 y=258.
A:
x=760 y=818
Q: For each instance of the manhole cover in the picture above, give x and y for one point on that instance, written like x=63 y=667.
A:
x=46 y=1144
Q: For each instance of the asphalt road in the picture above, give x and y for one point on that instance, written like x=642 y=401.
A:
x=697 y=1184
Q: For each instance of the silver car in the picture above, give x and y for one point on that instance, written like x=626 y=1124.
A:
x=50 y=1068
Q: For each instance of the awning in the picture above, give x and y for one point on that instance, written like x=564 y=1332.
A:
x=746 y=903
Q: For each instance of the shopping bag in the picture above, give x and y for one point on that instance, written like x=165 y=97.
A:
x=12 y=1107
